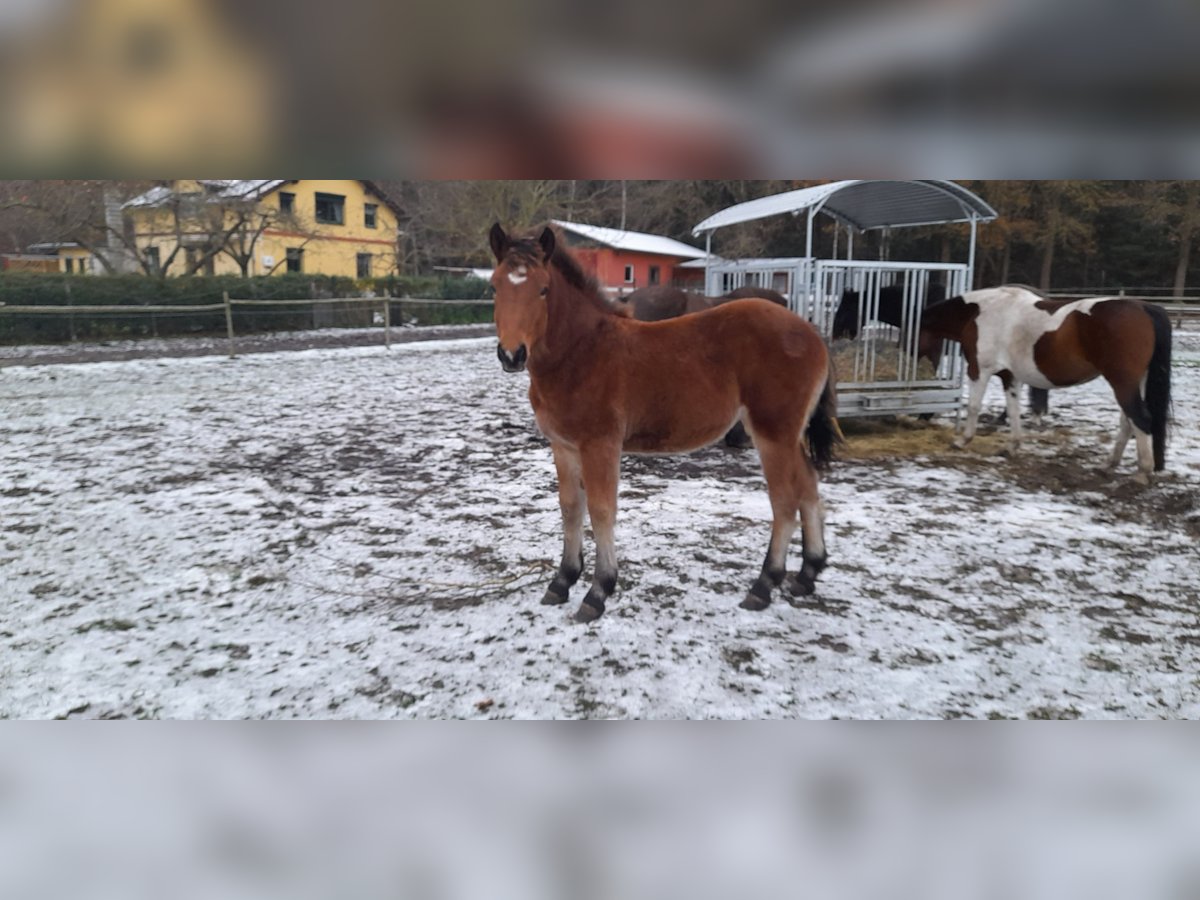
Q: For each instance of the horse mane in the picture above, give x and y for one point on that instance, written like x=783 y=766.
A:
x=528 y=250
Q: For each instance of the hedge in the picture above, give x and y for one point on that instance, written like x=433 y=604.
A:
x=39 y=289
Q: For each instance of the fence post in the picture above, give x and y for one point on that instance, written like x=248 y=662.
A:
x=70 y=316
x=229 y=324
x=387 y=319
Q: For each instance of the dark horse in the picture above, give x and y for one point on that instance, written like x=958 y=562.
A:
x=659 y=302
x=1024 y=338
x=891 y=312
x=589 y=367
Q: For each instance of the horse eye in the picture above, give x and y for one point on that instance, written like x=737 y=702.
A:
x=544 y=291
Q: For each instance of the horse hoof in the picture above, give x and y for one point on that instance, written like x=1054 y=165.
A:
x=552 y=598
x=1142 y=478
x=754 y=603
x=959 y=444
x=587 y=613
x=799 y=585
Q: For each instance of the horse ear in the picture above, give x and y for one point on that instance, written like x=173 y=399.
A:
x=499 y=241
x=546 y=239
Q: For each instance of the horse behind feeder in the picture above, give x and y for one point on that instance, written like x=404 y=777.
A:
x=659 y=302
x=602 y=384
x=1024 y=338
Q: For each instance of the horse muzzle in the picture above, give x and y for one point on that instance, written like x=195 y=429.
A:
x=512 y=362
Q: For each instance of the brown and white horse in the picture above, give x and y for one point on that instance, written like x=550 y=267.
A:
x=602 y=384
x=1027 y=339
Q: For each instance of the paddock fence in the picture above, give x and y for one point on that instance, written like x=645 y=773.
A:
x=391 y=312
x=384 y=312
x=1181 y=309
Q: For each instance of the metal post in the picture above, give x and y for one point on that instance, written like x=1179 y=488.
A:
x=708 y=264
x=971 y=256
x=808 y=234
x=387 y=319
x=849 y=242
x=229 y=324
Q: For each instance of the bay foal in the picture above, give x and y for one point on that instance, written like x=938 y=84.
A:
x=601 y=384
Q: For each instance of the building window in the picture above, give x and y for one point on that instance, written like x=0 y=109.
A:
x=287 y=203
x=629 y=274
x=370 y=211
x=153 y=260
x=364 y=265
x=331 y=209
x=295 y=259
x=70 y=263
x=654 y=275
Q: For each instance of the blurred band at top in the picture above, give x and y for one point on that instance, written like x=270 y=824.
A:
x=466 y=89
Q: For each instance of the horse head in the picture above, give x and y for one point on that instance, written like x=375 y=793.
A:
x=521 y=283
x=845 y=320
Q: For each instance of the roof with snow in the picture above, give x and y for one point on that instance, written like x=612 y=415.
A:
x=635 y=241
x=216 y=190
x=228 y=189
x=864 y=205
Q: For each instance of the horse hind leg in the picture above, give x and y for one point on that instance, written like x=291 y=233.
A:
x=778 y=463
x=812 y=529
x=1123 y=433
x=1136 y=417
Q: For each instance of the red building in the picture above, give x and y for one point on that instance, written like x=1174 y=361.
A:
x=624 y=261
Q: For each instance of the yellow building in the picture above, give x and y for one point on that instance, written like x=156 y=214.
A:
x=266 y=227
x=64 y=256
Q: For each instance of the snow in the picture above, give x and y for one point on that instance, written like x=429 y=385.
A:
x=362 y=533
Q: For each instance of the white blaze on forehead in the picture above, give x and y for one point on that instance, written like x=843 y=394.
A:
x=519 y=276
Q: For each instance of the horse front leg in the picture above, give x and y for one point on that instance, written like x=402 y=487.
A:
x=601 y=466
x=571 y=501
x=974 y=404
x=1012 y=402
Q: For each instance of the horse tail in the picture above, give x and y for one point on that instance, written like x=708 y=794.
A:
x=1158 y=383
x=823 y=433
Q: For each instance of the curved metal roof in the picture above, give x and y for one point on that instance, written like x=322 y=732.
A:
x=865 y=205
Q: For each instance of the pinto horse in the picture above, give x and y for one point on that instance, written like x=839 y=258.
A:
x=1026 y=339
x=590 y=365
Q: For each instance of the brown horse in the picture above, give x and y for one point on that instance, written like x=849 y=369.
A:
x=659 y=302
x=1026 y=339
x=590 y=366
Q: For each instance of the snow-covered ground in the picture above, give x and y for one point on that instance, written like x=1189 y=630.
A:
x=365 y=533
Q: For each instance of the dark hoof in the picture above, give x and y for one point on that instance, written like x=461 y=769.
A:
x=754 y=603
x=799 y=584
x=553 y=598
x=587 y=613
